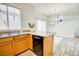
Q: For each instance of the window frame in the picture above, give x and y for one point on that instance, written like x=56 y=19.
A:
x=41 y=27
x=8 y=14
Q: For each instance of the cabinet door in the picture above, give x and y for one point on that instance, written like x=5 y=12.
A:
x=26 y=41
x=48 y=46
x=19 y=46
x=6 y=49
x=30 y=42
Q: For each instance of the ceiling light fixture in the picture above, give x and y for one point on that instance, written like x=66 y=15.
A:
x=56 y=18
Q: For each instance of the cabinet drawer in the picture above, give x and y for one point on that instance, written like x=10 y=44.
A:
x=20 y=36
x=20 y=39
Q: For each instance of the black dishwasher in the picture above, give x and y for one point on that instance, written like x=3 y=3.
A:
x=38 y=45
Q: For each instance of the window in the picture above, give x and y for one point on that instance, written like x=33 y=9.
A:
x=14 y=18
x=3 y=17
x=10 y=17
x=41 y=26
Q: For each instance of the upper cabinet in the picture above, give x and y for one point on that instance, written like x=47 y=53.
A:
x=10 y=17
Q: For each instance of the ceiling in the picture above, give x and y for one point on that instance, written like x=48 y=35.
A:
x=61 y=8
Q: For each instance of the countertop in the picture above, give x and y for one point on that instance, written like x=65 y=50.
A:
x=39 y=33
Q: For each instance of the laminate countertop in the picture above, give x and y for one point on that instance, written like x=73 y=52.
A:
x=39 y=33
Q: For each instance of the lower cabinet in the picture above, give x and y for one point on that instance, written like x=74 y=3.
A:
x=27 y=41
x=14 y=45
x=20 y=43
x=48 y=46
x=30 y=42
x=19 y=46
x=6 y=49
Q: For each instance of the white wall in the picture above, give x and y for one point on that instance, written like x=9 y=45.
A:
x=67 y=29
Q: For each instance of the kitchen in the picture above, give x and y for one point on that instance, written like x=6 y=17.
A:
x=29 y=29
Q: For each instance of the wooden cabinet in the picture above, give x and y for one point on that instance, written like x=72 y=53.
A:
x=26 y=41
x=30 y=41
x=14 y=45
x=19 y=44
x=6 y=47
x=22 y=42
x=48 y=46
